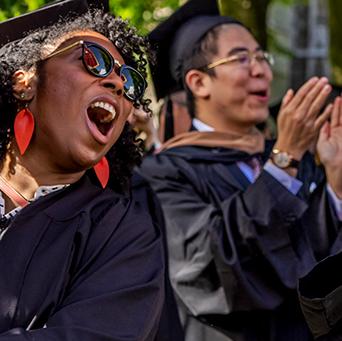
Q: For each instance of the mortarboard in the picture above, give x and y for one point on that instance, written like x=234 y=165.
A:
x=16 y=28
x=162 y=38
x=186 y=38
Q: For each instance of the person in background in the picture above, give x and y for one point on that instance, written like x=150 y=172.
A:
x=174 y=117
x=243 y=215
x=79 y=259
x=142 y=122
x=320 y=289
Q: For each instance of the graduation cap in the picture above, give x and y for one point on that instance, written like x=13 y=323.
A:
x=163 y=36
x=16 y=28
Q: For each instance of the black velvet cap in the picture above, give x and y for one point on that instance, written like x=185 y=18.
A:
x=186 y=38
x=16 y=28
x=162 y=38
x=175 y=38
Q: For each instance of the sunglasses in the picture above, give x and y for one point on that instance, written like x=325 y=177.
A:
x=100 y=63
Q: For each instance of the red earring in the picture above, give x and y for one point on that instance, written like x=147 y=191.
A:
x=23 y=129
x=102 y=171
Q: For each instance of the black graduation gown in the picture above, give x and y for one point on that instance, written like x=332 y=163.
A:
x=320 y=293
x=170 y=328
x=236 y=249
x=81 y=264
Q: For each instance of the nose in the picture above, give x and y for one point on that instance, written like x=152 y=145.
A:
x=114 y=83
x=258 y=68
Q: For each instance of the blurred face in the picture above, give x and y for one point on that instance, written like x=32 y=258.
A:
x=180 y=114
x=240 y=91
x=78 y=117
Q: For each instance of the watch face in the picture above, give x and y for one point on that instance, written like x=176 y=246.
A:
x=282 y=160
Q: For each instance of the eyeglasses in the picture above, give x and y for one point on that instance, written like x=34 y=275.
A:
x=100 y=63
x=245 y=59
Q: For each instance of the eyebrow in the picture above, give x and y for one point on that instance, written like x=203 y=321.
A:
x=241 y=49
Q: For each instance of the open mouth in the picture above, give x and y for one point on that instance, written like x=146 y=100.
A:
x=261 y=93
x=102 y=114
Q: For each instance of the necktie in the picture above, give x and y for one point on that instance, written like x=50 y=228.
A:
x=255 y=164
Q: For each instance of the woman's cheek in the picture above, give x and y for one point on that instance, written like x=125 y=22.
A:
x=127 y=108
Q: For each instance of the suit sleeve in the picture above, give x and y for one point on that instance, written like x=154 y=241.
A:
x=256 y=246
x=320 y=295
x=116 y=291
x=231 y=254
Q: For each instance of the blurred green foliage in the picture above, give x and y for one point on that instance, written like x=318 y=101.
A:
x=141 y=13
x=251 y=13
x=335 y=10
x=144 y=14
x=10 y=8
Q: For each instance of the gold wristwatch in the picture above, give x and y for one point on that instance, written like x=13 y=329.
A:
x=283 y=159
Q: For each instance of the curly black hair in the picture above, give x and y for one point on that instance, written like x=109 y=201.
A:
x=28 y=54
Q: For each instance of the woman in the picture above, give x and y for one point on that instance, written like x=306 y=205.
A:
x=78 y=261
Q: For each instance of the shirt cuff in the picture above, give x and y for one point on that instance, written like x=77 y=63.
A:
x=292 y=184
x=336 y=202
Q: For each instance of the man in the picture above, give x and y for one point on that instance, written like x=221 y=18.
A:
x=235 y=211
x=174 y=117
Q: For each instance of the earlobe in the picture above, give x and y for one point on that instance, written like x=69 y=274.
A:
x=24 y=85
x=198 y=83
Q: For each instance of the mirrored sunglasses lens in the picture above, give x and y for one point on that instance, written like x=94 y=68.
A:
x=134 y=83
x=97 y=60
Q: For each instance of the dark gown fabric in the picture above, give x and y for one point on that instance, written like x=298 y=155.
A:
x=237 y=249
x=170 y=328
x=81 y=264
x=320 y=293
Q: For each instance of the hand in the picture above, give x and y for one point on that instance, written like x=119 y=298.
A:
x=299 y=121
x=329 y=148
x=142 y=122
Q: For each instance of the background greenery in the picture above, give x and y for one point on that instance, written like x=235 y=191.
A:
x=146 y=14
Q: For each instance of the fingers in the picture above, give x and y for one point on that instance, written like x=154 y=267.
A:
x=340 y=110
x=303 y=91
x=319 y=101
x=323 y=118
x=335 y=116
x=287 y=98
x=324 y=132
x=315 y=99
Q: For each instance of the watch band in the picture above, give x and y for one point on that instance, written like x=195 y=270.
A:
x=283 y=159
x=294 y=163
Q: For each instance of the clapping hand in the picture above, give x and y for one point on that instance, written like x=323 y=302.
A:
x=299 y=121
x=329 y=148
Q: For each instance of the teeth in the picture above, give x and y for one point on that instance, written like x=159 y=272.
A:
x=109 y=108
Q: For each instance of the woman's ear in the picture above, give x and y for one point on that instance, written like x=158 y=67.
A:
x=198 y=82
x=24 y=85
